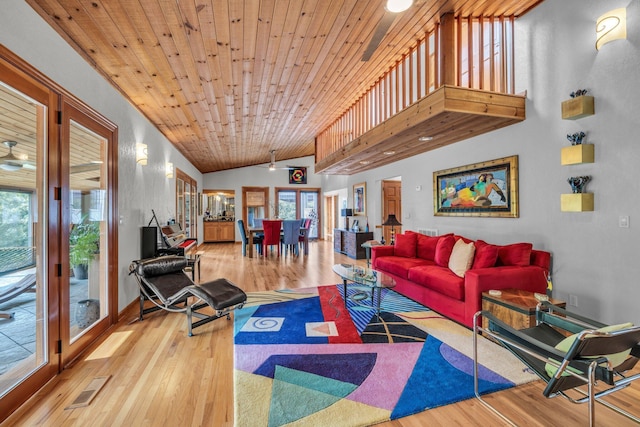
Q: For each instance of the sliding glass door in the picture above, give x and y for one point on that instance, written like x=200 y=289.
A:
x=27 y=334
x=58 y=169
x=300 y=203
x=86 y=298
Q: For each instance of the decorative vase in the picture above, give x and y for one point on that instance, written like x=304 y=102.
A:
x=87 y=312
x=80 y=272
x=578 y=183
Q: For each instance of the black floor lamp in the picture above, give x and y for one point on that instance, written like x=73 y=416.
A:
x=392 y=221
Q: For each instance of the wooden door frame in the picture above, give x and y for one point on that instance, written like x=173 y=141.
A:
x=22 y=76
x=73 y=109
x=245 y=190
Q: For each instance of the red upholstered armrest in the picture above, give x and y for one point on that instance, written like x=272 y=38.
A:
x=541 y=258
x=379 y=251
x=531 y=278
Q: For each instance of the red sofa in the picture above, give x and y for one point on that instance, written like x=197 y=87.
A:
x=421 y=267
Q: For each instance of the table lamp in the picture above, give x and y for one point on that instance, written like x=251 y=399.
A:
x=392 y=221
x=346 y=213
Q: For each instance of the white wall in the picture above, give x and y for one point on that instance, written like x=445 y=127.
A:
x=141 y=188
x=593 y=258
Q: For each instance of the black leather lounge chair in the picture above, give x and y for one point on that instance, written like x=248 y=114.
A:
x=163 y=281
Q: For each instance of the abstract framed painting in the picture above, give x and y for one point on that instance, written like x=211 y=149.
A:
x=360 y=199
x=485 y=189
x=297 y=175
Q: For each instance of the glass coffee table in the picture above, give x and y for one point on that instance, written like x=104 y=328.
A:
x=373 y=281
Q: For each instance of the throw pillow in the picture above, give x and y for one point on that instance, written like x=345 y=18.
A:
x=427 y=246
x=443 y=250
x=518 y=254
x=405 y=245
x=486 y=255
x=615 y=359
x=461 y=257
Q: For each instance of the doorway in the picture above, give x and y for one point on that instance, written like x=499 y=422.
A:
x=58 y=177
x=391 y=204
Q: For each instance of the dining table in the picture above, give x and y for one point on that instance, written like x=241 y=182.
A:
x=253 y=231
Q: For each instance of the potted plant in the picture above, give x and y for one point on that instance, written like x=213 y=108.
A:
x=83 y=246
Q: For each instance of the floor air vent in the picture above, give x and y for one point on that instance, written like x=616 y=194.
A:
x=86 y=396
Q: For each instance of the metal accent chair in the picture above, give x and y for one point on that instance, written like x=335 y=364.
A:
x=163 y=281
x=257 y=240
x=271 y=234
x=595 y=353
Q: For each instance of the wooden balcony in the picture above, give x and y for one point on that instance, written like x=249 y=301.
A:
x=447 y=115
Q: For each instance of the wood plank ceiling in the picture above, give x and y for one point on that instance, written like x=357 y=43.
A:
x=227 y=81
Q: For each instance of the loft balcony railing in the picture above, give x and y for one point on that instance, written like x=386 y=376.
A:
x=484 y=59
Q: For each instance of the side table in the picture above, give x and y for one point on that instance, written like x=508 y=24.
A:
x=515 y=307
x=367 y=247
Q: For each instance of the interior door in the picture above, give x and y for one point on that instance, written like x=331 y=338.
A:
x=391 y=204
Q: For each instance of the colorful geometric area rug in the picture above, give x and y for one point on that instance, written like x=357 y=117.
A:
x=302 y=359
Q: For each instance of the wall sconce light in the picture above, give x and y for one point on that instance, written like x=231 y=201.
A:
x=169 y=170
x=611 y=26
x=141 y=153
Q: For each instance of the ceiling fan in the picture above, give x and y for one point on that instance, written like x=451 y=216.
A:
x=392 y=9
x=11 y=162
x=272 y=165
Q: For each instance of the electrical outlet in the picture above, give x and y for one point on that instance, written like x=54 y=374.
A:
x=573 y=300
x=623 y=221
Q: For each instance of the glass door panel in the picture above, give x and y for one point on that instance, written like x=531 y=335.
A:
x=24 y=331
x=187 y=209
x=287 y=205
x=88 y=292
x=309 y=209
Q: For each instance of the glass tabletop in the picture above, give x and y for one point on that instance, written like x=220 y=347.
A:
x=364 y=276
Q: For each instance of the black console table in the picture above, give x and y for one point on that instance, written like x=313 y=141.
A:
x=350 y=242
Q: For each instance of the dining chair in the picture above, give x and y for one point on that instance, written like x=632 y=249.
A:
x=257 y=223
x=291 y=235
x=271 y=234
x=257 y=240
x=303 y=238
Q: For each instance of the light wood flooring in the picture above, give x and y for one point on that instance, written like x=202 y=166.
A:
x=162 y=377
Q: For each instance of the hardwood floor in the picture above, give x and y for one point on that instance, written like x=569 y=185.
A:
x=162 y=377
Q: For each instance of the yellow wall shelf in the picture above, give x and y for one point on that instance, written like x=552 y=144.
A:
x=576 y=202
x=577 y=154
x=578 y=107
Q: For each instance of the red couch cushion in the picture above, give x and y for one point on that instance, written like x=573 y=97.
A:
x=405 y=245
x=427 y=247
x=518 y=254
x=486 y=255
x=443 y=250
x=399 y=265
x=439 y=279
